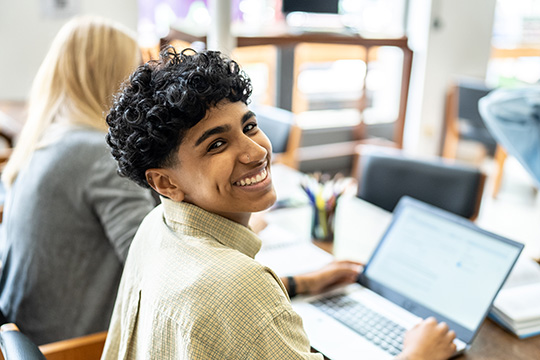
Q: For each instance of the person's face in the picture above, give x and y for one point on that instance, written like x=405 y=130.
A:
x=223 y=164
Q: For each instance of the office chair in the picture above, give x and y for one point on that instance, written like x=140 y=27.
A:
x=15 y=345
x=463 y=120
x=87 y=347
x=385 y=176
x=280 y=127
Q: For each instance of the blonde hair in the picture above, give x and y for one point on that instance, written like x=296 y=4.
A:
x=86 y=63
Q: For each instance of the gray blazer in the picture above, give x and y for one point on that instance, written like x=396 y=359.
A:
x=68 y=223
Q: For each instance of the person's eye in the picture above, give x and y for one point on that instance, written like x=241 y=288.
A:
x=216 y=145
x=250 y=127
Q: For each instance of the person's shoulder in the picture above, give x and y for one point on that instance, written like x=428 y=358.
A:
x=84 y=144
x=245 y=279
x=91 y=139
x=74 y=153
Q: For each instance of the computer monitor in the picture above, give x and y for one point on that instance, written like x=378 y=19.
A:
x=313 y=6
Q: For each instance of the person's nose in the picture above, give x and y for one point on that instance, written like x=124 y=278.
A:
x=251 y=151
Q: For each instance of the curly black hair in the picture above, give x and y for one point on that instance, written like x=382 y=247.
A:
x=162 y=100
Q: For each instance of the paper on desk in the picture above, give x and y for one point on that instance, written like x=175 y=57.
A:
x=287 y=254
x=296 y=221
x=521 y=303
x=526 y=271
x=359 y=227
x=519 y=299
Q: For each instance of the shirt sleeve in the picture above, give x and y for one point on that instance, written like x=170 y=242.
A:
x=119 y=203
x=513 y=118
x=283 y=338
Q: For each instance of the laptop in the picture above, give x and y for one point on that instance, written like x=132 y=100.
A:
x=429 y=262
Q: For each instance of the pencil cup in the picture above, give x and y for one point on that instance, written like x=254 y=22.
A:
x=322 y=224
x=323 y=192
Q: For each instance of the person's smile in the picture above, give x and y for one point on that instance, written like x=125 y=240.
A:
x=258 y=179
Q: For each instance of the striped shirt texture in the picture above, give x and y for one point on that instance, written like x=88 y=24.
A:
x=192 y=290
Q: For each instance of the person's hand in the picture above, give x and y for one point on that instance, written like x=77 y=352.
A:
x=428 y=340
x=335 y=273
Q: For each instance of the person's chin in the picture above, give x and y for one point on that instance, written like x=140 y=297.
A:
x=264 y=202
x=270 y=201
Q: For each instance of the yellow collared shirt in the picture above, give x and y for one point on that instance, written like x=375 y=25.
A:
x=192 y=290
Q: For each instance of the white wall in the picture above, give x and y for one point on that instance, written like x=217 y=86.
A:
x=26 y=33
x=459 y=46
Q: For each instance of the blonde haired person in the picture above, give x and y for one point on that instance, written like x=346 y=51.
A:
x=69 y=218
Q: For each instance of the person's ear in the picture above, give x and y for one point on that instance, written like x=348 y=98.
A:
x=162 y=181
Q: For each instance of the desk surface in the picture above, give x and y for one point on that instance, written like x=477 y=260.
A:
x=492 y=342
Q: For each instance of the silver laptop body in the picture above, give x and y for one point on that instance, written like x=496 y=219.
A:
x=429 y=262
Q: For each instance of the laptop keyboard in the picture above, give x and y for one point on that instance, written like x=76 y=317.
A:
x=376 y=328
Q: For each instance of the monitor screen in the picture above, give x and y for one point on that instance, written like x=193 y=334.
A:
x=454 y=269
x=314 y=6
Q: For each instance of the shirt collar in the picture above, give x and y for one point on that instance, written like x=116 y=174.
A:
x=225 y=231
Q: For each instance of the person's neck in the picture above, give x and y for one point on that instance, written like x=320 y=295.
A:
x=240 y=218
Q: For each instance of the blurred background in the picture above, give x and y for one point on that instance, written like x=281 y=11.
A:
x=356 y=92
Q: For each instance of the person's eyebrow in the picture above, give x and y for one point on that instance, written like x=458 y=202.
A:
x=248 y=115
x=217 y=130
x=221 y=129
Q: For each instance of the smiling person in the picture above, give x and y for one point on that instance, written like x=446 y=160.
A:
x=191 y=288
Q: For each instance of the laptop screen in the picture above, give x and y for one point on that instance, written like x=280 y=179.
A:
x=441 y=262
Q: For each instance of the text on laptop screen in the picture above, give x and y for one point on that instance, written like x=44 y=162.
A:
x=434 y=261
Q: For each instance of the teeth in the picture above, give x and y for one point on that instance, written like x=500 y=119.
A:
x=253 y=180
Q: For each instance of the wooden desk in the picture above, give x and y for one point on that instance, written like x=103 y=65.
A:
x=286 y=42
x=491 y=343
